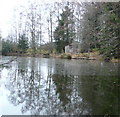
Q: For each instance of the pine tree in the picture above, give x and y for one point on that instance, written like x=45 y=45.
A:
x=64 y=32
x=109 y=35
x=23 y=44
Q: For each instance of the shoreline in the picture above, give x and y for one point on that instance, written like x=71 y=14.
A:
x=79 y=56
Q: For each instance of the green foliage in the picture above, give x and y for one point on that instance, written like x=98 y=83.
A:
x=109 y=44
x=29 y=51
x=66 y=56
x=101 y=29
x=48 y=47
x=23 y=43
x=64 y=32
x=97 y=28
x=12 y=47
x=43 y=51
x=8 y=46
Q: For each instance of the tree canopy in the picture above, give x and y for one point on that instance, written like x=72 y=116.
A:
x=94 y=25
x=64 y=32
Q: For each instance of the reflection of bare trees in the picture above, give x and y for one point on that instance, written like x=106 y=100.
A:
x=27 y=88
x=54 y=94
x=55 y=90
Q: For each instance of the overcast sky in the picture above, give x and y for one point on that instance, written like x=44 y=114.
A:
x=7 y=8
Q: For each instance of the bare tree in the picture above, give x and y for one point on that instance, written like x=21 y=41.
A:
x=32 y=27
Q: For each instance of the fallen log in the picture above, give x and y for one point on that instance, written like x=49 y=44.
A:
x=8 y=61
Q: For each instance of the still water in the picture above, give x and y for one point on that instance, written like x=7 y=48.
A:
x=41 y=86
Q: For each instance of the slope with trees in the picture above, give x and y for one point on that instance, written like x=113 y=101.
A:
x=95 y=26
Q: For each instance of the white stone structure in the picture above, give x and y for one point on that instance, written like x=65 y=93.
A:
x=72 y=48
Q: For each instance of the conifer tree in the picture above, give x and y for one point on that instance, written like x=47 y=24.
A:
x=64 y=32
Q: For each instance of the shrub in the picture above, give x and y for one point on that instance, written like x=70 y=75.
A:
x=66 y=56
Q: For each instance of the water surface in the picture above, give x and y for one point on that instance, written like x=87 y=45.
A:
x=40 y=86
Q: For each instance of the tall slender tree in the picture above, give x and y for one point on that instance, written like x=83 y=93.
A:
x=64 y=32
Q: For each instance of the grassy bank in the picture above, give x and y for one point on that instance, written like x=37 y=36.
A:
x=89 y=56
x=82 y=56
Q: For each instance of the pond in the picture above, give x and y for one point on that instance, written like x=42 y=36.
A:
x=47 y=86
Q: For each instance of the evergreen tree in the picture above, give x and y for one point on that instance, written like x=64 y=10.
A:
x=100 y=28
x=6 y=47
x=109 y=34
x=64 y=32
x=23 y=44
x=90 y=26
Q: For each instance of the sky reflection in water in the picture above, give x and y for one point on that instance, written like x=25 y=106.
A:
x=55 y=86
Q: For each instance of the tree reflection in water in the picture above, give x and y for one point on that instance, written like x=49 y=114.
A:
x=68 y=94
x=101 y=93
x=54 y=95
x=58 y=91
